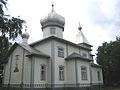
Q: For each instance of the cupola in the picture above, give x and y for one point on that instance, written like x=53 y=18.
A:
x=81 y=39
x=53 y=24
x=25 y=37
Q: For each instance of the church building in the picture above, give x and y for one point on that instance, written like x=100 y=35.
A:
x=51 y=61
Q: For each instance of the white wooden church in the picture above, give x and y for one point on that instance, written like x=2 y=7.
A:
x=52 y=60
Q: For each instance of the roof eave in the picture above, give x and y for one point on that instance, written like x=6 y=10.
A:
x=38 y=55
x=60 y=39
x=78 y=58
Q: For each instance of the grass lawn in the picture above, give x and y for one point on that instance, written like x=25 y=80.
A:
x=110 y=88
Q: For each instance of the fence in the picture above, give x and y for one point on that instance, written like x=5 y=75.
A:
x=51 y=87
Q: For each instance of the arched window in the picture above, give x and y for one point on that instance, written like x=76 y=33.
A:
x=84 y=73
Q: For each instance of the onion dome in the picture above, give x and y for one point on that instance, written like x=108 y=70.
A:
x=25 y=35
x=53 y=19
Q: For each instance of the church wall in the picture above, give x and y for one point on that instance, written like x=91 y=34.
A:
x=59 y=61
x=72 y=49
x=44 y=47
x=81 y=63
x=68 y=49
x=73 y=74
x=27 y=70
x=37 y=70
x=70 y=72
x=58 y=32
x=12 y=77
x=16 y=76
x=95 y=75
x=85 y=52
x=7 y=71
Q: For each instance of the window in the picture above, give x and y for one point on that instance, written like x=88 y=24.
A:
x=98 y=75
x=52 y=30
x=17 y=57
x=60 y=52
x=16 y=63
x=43 y=72
x=61 y=72
x=84 y=73
x=84 y=55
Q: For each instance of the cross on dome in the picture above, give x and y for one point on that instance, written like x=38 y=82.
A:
x=80 y=38
x=79 y=28
x=52 y=6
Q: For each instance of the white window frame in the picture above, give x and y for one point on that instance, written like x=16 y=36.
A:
x=61 y=52
x=84 y=75
x=42 y=72
x=61 y=73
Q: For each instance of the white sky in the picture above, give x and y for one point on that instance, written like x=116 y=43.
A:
x=99 y=18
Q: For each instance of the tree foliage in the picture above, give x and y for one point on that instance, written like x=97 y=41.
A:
x=4 y=46
x=109 y=57
x=9 y=26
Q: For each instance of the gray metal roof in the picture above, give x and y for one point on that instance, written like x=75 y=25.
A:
x=61 y=40
x=32 y=50
x=96 y=65
x=77 y=56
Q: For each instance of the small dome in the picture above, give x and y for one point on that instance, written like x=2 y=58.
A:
x=25 y=35
x=53 y=19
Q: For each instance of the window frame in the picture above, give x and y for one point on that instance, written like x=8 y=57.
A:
x=84 y=55
x=52 y=30
x=61 y=72
x=60 y=52
x=98 y=76
x=42 y=72
x=84 y=75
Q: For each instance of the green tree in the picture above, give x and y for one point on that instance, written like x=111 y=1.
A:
x=109 y=57
x=9 y=26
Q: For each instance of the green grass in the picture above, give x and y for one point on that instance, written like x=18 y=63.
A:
x=110 y=88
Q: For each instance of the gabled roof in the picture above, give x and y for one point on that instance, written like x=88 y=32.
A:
x=83 y=38
x=77 y=56
x=59 y=39
x=31 y=50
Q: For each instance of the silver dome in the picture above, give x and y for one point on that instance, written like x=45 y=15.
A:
x=25 y=35
x=53 y=19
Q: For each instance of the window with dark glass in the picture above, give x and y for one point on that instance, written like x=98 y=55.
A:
x=60 y=52
x=61 y=72
x=52 y=30
x=84 y=73
x=43 y=72
x=98 y=75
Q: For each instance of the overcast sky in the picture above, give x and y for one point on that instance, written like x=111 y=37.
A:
x=100 y=19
